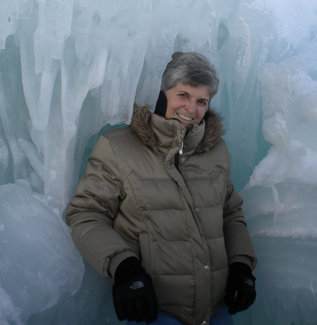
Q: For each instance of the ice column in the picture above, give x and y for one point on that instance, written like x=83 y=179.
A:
x=280 y=198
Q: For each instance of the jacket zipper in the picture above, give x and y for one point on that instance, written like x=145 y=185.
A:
x=180 y=152
x=177 y=161
x=181 y=148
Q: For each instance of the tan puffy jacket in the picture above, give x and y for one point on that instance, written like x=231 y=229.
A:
x=185 y=225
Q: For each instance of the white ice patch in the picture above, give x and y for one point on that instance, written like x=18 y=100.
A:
x=9 y=314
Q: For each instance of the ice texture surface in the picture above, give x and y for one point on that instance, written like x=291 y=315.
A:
x=39 y=263
x=70 y=67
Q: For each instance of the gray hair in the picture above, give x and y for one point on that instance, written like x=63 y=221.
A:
x=192 y=69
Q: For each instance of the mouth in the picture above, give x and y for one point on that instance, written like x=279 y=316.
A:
x=184 y=117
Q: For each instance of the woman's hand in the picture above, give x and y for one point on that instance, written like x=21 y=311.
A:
x=133 y=294
x=240 y=292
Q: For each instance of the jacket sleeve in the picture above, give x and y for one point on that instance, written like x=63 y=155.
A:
x=237 y=239
x=91 y=212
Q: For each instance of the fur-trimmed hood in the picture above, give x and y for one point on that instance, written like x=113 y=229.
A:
x=214 y=129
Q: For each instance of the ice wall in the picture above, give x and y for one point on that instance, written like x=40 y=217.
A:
x=69 y=67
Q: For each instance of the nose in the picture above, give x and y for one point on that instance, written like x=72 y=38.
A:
x=191 y=106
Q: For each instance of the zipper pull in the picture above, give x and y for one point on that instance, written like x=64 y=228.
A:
x=181 y=149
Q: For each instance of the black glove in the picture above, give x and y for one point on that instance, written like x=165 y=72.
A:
x=133 y=294
x=240 y=291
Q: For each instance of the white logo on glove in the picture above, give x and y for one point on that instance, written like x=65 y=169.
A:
x=137 y=285
x=249 y=282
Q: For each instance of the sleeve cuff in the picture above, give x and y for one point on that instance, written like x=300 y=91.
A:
x=241 y=259
x=117 y=259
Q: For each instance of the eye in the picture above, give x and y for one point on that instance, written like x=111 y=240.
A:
x=183 y=95
x=202 y=102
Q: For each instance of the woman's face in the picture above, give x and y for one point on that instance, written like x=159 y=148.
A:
x=186 y=103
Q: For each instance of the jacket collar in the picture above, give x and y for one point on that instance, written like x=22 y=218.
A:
x=166 y=136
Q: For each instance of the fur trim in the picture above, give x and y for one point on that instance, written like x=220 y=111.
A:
x=214 y=129
x=140 y=124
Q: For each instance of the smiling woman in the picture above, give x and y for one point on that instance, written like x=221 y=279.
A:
x=169 y=231
x=187 y=104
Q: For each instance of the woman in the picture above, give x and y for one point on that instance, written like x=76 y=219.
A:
x=157 y=211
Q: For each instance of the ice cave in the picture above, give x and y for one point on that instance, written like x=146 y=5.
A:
x=72 y=69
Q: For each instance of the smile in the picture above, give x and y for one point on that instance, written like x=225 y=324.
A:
x=186 y=118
